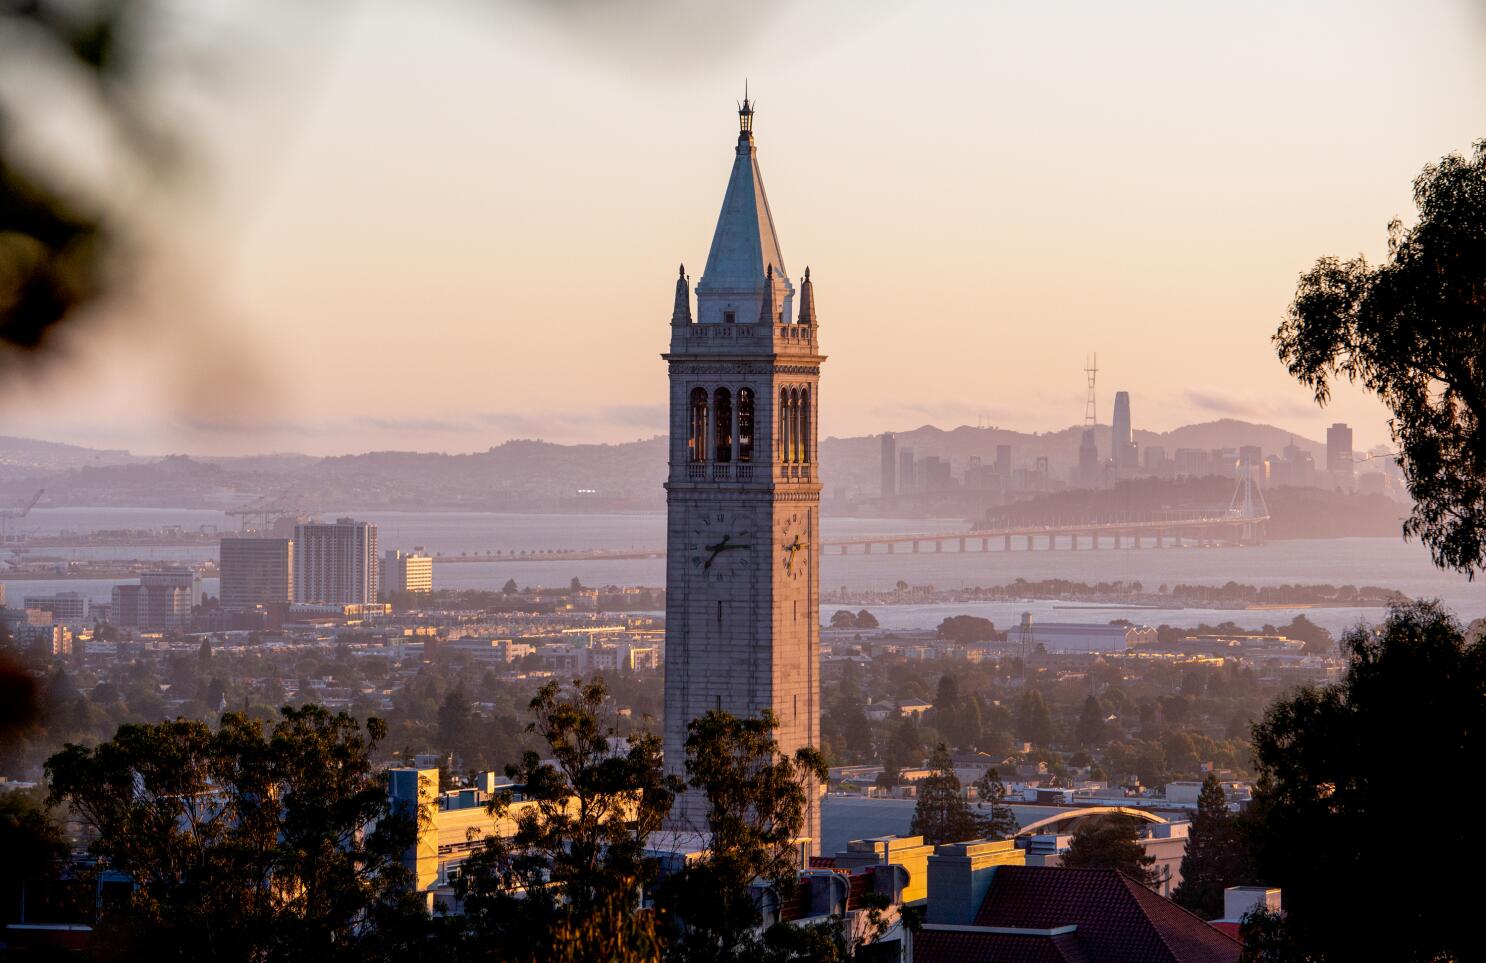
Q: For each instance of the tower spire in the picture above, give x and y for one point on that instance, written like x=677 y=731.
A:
x=682 y=312
x=766 y=310
x=807 y=299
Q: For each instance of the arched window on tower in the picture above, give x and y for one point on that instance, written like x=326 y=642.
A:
x=794 y=426
x=722 y=409
x=696 y=437
x=805 y=426
x=783 y=442
x=745 y=424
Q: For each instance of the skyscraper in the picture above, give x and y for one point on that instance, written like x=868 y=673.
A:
x=1088 y=459
x=889 y=465
x=1003 y=461
x=743 y=493
x=335 y=562
x=1122 y=438
x=1339 y=462
x=906 y=481
x=255 y=571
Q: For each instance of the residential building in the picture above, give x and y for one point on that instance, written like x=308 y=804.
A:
x=406 y=573
x=255 y=571
x=335 y=562
x=1011 y=912
x=63 y=606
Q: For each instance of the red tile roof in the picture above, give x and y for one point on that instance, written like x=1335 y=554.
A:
x=951 y=946
x=1117 y=918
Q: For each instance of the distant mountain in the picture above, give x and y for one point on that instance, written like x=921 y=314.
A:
x=22 y=456
x=519 y=475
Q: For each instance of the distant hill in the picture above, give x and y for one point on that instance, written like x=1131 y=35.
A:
x=519 y=475
x=23 y=457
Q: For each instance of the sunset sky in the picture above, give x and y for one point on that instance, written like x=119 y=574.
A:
x=438 y=226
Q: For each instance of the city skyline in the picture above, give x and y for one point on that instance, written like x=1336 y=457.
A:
x=568 y=199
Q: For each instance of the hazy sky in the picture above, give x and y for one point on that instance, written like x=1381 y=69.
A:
x=441 y=225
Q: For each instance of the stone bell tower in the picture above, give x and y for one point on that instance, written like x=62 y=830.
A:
x=743 y=494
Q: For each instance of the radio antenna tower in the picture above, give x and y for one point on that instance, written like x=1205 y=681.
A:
x=1091 y=369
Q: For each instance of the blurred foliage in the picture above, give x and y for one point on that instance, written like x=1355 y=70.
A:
x=52 y=242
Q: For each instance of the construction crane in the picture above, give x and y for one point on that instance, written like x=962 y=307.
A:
x=264 y=508
x=20 y=511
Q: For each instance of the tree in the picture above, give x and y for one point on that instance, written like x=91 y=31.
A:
x=942 y=815
x=245 y=844
x=1214 y=858
x=456 y=723
x=1034 y=723
x=1412 y=330
x=1090 y=731
x=1317 y=640
x=966 y=629
x=843 y=619
x=755 y=808
x=567 y=884
x=866 y=620
x=34 y=849
x=1001 y=823
x=905 y=746
x=1324 y=819
x=510 y=587
x=1111 y=842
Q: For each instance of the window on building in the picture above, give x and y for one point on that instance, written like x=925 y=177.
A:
x=696 y=438
x=729 y=317
x=805 y=426
x=745 y=424
x=722 y=409
x=783 y=443
x=794 y=426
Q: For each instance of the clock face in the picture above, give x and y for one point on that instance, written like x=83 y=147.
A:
x=720 y=544
x=794 y=541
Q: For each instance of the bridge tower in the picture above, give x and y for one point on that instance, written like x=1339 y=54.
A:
x=1249 y=506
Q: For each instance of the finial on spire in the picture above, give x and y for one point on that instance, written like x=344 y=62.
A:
x=745 y=114
x=681 y=314
x=807 y=299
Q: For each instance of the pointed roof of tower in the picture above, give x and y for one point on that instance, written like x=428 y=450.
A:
x=807 y=299
x=744 y=246
x=766 y=312
x=682 y=312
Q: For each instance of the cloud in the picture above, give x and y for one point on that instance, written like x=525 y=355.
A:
x=1221 y=404
x=413 y=424
x=1229 y=407
x=655 y=38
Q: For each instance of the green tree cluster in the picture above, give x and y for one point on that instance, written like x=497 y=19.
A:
x=247 y=843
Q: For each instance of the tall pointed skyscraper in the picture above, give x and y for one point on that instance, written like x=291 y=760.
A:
x=1122 y=438
x=743 y=494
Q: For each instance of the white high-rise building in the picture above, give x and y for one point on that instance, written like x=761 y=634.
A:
x=403 y=572
x=743 y=493
x=335 y=562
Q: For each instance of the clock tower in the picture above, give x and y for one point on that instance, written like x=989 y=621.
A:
x=743 y=493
